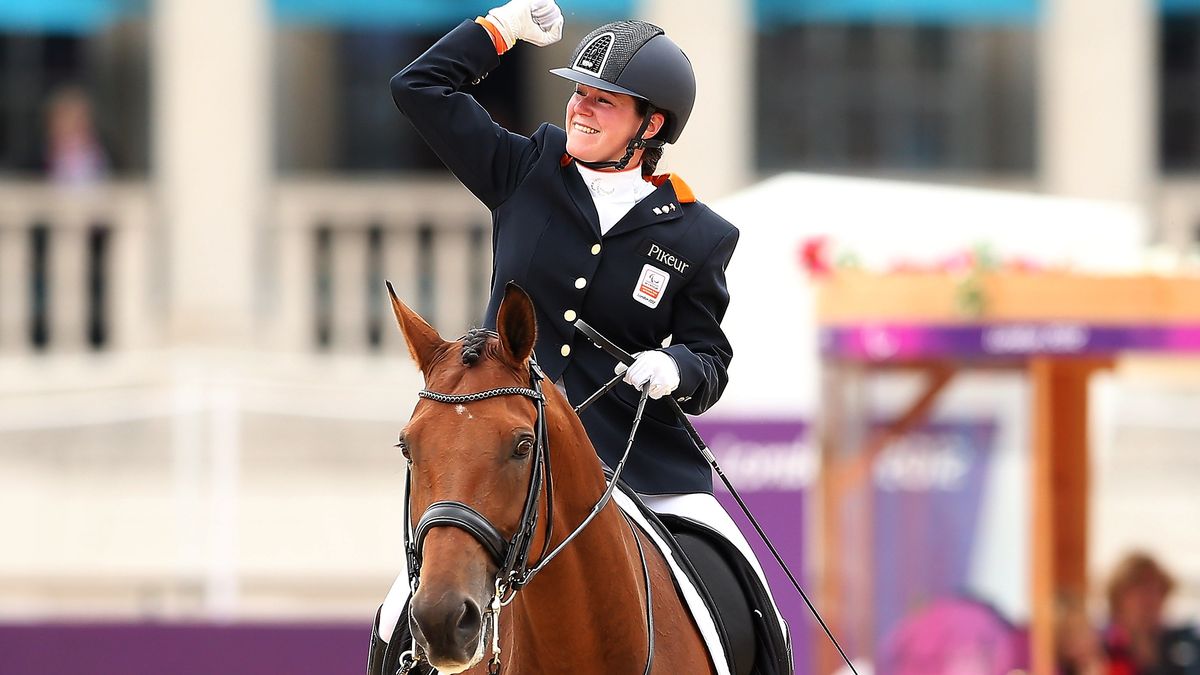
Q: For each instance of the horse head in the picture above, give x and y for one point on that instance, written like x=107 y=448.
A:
x=471 y=460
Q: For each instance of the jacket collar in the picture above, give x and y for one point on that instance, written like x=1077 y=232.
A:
x=660 y=206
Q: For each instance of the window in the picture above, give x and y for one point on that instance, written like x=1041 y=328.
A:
x=1179 y=91
x=101 y=77
x=334 y=112
x=864 y=96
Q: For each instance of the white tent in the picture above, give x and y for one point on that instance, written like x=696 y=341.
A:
x=771 y=317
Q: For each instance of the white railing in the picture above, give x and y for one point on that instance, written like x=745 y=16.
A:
x=79 y=270
x=74 y=268
x=338 y=241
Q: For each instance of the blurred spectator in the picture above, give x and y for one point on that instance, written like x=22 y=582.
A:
x=1080 y=651
x=1137 y=641
x=74 y=155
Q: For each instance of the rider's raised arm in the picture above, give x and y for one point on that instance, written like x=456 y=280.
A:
x=488 y=159
x=483 y=155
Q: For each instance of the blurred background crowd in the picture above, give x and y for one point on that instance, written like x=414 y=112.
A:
x=200 y=381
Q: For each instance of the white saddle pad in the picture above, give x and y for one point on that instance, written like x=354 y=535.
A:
x=692 y=597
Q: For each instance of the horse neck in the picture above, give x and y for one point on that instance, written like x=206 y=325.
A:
x=577 y=592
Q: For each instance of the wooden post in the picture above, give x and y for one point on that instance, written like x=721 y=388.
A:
x=1060 y=493
x=836 y=434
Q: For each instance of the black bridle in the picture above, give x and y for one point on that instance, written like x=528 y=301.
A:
x=512 y=555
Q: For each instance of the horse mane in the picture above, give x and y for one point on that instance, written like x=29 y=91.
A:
x=475 y=345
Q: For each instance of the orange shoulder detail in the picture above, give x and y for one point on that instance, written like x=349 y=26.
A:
x=682 y=190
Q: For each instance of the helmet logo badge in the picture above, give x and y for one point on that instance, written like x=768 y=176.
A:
x=595 y=54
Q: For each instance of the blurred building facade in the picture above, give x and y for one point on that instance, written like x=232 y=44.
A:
x=206 y=316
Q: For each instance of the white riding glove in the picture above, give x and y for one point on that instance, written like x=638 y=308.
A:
x=539 y=22
x=655 y=369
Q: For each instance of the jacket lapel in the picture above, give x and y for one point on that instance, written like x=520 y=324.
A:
x=582 y=198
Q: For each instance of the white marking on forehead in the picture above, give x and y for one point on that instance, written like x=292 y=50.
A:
x=460 y=409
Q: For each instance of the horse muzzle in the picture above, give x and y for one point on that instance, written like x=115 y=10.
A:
x=449 y=628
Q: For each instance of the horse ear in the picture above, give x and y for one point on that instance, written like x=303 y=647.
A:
x=516 y=323
x=423 y=340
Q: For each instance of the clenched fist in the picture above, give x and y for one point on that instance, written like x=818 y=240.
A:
x=538 y=22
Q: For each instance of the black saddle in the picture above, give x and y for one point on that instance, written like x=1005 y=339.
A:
x=756 y=642
x=754 y=639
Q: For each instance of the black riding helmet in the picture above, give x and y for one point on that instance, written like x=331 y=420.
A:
x=638 y=59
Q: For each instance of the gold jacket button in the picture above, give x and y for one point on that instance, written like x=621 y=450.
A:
x=570 y=315
x=595 y=249
x=565 y=351
x=580 y=282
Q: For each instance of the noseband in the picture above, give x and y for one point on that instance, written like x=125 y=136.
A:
x=510 y=555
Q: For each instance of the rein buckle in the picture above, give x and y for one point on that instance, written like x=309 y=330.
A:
x=494 y=610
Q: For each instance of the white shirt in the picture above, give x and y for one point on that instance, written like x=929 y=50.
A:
x=614 y=192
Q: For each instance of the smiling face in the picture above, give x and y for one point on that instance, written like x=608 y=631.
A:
x=600 y=124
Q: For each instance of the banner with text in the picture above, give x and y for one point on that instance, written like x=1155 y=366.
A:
x=771 y=464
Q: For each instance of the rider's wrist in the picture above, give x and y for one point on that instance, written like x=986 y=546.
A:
x=494 y=32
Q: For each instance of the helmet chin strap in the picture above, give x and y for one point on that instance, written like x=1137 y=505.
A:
x=636 y=143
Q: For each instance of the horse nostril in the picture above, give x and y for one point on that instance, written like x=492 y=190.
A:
x=470 y=620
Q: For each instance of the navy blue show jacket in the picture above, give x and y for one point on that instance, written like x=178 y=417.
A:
x=658 y=273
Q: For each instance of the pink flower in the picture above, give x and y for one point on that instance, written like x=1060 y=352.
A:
x=963 y=261
x=814 y=256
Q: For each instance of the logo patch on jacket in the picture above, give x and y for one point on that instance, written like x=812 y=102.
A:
x=664 y=256
x=651 y=286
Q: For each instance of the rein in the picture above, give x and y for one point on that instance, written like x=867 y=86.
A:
x=512 y=555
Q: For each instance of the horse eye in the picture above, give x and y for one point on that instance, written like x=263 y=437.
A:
x=524 y=447
x=403 y=445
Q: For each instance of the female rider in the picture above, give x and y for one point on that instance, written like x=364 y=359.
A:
x=583 y=225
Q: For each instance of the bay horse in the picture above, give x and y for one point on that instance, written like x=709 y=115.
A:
x=473 y=449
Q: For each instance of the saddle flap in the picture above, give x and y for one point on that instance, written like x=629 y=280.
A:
x=742 y=605
x=752 y=637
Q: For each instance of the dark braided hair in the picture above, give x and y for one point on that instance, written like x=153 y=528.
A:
x=473 y=345
x=651 y=155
